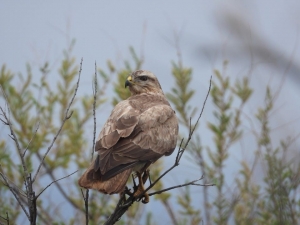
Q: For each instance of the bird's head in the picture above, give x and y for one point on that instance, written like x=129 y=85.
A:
x=143 y=81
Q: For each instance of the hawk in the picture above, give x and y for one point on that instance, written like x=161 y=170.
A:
x=139 y=131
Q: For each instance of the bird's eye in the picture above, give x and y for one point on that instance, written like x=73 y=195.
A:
x=143 y=78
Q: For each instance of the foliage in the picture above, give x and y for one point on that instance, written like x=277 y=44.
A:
x=38 y=105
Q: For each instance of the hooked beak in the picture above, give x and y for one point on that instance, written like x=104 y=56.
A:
x=128 y=82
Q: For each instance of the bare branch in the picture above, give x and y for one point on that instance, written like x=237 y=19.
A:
x=54 y=182
x=13 y=191
x=31 y=139
x=201 y=109
x=6 y=219
x=12 y=185
x=5 y=123
x=82 y=194
x=86 y=197
x=182 y=185
x=31 y=215
x=67 y=116
x=12 y=133
x=94 y=111
x=190 y=126
x=62 y=191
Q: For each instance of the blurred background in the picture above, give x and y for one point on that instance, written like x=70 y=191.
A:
x=255 y=39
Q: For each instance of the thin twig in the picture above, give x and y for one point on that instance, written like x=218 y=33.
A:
x=2 y=217
x=82 y=194
x=5 y=123
x=54 y=182
x=12 y=133
x=7 y=218
x=67 y=116
x=15 y=194
x=202 y=108
x=86 y=197
x=27 y=178
x=178 y=157
x=60 y=188
x=182 y=185
x=37 y=127
x=190 y=126
x=94 y=111
x=13 y=185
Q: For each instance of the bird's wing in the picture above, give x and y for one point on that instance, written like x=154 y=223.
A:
x=120 y=124
x=130 y=137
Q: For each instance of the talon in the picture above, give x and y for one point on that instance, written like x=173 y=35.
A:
x=145 y=176
x=128 y=192
x=134 y=184
x=145 y=200
x=140 y=188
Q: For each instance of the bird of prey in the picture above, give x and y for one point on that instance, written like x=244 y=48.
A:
x=139 y=131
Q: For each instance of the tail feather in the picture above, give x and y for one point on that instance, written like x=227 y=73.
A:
x=91 y=179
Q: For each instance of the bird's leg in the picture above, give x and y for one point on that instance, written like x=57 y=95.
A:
x=135 y=187
x=146 y=175
x=149 y=177
x=141 y=188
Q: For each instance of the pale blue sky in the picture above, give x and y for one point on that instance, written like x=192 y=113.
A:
x=258 y=35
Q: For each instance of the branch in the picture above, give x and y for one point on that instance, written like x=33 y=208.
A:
x=14 y=192
x=182 y=185
x=62 y=191
x=13 y=136
x=31 y=215
x=191 y=133
x=6 y=219
x=54 y=182
x=94 y=110
x=67 y=116
x=124 y=203
x=86 y=197
x=31 y=139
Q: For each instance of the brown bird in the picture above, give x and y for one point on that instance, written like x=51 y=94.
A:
x=139 y=131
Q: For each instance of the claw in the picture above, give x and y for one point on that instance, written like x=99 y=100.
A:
x=128 y=192
x=140 y=188
x=145 y=176
x=145 y=200
x=134 y=184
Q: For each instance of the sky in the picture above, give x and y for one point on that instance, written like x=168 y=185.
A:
x=260 y=38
